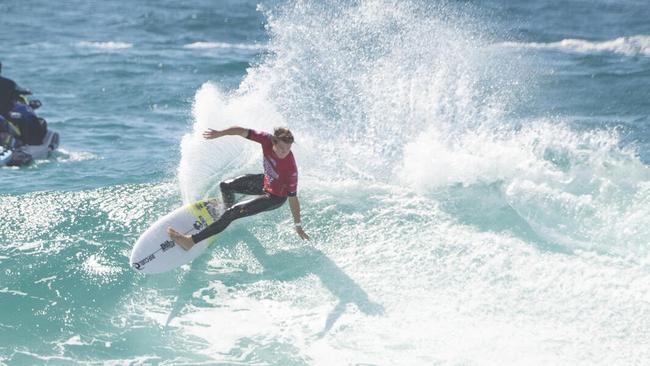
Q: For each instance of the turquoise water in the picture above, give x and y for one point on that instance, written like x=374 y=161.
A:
x=474 y=177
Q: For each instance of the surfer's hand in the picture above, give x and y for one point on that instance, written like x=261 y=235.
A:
x=212 y=134
x=303 y=235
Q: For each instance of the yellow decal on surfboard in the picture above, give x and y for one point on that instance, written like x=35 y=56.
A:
x=206 y=212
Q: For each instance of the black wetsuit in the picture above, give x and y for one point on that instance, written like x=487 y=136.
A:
x=7 y=95
x=252 y=184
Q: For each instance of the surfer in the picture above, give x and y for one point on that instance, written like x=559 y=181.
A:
x=278 y=184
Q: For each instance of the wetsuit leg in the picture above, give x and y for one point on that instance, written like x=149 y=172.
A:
x=246 y=184
x=256 y=205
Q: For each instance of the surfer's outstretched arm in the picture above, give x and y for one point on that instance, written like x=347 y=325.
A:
x=294 y=205
x=231 y=131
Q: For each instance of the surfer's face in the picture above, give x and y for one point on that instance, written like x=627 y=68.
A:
x=281 y=149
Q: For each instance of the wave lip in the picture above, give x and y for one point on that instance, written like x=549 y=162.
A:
x=638 y=45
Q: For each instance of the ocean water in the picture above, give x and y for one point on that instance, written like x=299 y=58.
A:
x=474 y=175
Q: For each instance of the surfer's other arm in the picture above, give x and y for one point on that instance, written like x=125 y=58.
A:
x=294 y=205
x=231 y=131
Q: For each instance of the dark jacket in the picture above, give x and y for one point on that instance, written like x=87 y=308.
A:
x=7 y=95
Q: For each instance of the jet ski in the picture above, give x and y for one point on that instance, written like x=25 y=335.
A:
x=23 y=135
x=5 y=155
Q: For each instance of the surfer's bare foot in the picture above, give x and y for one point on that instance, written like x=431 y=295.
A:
x=184 y=241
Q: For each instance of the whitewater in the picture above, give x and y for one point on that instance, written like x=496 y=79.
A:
x=464 y=207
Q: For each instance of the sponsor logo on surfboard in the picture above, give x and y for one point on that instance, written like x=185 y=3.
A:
x=200 y=223
x=167 y=245
x=139 y=265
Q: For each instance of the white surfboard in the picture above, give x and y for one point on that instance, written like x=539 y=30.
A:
x=155 y=252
